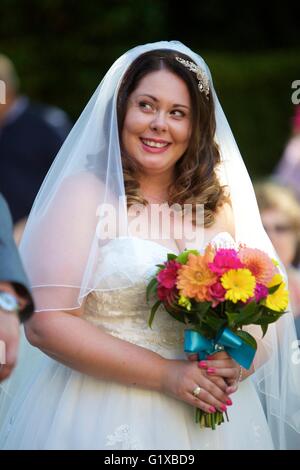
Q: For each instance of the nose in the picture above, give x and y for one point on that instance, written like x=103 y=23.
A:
x=159 y=123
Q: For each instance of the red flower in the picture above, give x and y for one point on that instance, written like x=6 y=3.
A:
x=217 y=292
x=261 y=292
x=167 y=277
x=166 y=295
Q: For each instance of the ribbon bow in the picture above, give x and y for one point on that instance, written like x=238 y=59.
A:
x=226 y=340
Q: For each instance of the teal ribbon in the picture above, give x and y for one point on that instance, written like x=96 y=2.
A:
x=226 y=340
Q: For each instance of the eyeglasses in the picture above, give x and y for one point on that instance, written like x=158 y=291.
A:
x=279 y=228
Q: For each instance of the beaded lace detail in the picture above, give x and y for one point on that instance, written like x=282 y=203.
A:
x=124 y=313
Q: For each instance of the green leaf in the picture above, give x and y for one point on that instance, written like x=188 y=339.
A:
x=232 y=317
x=274 y=288
x=176 y=313
x=183 y=257
x=171 y=256
x=246 y=316
x=264 y=329
x=246 y=313
x=267 y=319
x=160 y=266
x=151 y=288
x=201 y=307
x=153 y=312
x=214 y=323
x=247 y=338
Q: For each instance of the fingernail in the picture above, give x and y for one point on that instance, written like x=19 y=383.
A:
x=211 y=370
x=212 y=409
x=202 y=364
x=223 y=407
x=229 y=402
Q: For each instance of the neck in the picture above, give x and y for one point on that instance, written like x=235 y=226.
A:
x=155 y=185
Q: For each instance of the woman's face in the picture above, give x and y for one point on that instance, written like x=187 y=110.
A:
x=282 y=234
x=157 y=125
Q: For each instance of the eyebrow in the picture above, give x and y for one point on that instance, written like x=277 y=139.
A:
x=156 y=100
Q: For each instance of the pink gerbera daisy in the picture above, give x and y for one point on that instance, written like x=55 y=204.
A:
x=224 y=260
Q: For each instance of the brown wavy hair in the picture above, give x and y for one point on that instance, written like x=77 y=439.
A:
x=195 y=179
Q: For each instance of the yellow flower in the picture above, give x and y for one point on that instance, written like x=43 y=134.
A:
x=184 y=302
x=279 y=300
x=239 y=284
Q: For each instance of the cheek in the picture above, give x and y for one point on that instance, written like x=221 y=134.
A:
x=134 y=123
x=183 y=133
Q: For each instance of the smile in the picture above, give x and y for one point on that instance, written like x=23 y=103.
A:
x=154 y=144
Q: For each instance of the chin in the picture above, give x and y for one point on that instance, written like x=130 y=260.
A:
x=154 y=165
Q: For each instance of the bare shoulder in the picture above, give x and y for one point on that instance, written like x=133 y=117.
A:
x=224 y=222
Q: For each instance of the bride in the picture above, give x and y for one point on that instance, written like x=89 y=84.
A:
x=92 y=374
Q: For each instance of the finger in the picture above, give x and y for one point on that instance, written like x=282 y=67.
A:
x=216 y=379
x=198 y=403
x=193 y=357
x=232 y=388
x=227 y=373
x=221 y=363
x=213 y=395
x=205 y=401
x=220 y=382
x=231 y=382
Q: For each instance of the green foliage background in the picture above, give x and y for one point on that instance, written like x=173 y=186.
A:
x=62 y=49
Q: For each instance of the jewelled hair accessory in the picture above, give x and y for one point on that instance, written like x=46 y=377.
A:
x=203 y=84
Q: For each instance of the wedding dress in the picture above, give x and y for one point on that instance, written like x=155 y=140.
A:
x=60 y=408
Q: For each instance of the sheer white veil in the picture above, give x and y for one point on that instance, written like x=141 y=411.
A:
x=62 y=250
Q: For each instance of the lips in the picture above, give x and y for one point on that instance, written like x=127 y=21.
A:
x=154 y=145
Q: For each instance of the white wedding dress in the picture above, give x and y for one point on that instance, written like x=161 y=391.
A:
x=60 y=408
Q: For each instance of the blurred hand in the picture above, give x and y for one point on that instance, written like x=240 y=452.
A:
x=9 y=334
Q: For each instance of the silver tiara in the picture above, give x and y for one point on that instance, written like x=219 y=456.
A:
x=203 y=84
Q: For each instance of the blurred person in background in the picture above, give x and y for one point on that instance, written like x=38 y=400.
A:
x=287 y=172
x=16 y=304
x=280 y=213
x=30 y=136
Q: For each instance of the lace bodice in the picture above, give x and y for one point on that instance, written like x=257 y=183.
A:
x=124 y=312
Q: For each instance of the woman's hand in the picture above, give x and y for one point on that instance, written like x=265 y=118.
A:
x=221 y=365
x=180 y=378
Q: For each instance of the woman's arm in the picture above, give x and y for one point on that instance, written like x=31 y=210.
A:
x=88 y=349
x=82 y=346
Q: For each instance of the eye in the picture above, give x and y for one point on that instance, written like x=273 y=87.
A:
x=178 y=113
x=145 y=106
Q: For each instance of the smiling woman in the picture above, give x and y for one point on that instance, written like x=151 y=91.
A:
x=155 y=125
x=167 y=132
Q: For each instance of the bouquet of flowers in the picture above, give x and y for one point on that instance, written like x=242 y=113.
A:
x=217 y=293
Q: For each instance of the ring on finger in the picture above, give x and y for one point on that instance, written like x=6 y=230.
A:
x=196 y=391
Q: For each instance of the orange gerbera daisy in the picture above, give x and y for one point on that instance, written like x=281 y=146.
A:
x=194 y=278
x=259 y=263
